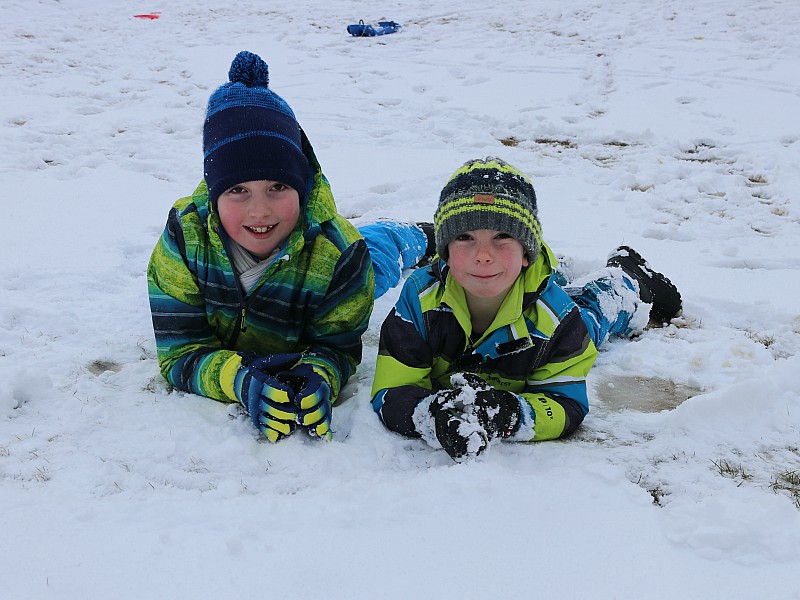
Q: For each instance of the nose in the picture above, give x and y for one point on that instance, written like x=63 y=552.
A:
x=483 y=253
x=260 y=206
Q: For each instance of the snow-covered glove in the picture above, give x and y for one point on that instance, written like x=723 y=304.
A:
x=312 y=400
x=443 y=420
x=498 y=412
x=268 y=400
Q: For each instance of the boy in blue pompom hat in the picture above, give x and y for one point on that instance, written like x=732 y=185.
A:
x=259 y=290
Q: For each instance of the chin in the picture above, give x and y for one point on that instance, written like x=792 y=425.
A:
x=486 y=293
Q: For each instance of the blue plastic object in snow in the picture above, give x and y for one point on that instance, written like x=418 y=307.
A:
x=383 y=28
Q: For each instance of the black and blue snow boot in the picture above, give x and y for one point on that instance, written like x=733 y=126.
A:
x=654 y=287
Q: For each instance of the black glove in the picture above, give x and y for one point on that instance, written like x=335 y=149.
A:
x=498 y=412
x=457 y=430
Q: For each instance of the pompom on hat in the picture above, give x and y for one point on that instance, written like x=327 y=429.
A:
x=488 y=194
x=251 y=133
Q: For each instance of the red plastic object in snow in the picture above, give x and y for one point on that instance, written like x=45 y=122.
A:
x=150 y=16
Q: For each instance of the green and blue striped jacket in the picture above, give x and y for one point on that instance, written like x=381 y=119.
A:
x=316 y=298
x=538 y=347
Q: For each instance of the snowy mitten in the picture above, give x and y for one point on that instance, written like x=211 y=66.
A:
x=443 y=421
x=468 y=381
x=498 y=412
x=312 y=400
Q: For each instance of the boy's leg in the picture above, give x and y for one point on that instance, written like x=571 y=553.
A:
x=609 y=304
x=622 y=298
x=393 y=247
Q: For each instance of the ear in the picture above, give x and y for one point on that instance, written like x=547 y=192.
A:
x=525 y=261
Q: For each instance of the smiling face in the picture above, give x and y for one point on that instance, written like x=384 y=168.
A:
x=259 y=215
x=486 y=262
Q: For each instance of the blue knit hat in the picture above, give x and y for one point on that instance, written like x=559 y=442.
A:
x=251 y=133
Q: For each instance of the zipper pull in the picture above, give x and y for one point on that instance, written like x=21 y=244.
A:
x=242 y=325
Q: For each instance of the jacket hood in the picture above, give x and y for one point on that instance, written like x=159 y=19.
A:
x=319 y=204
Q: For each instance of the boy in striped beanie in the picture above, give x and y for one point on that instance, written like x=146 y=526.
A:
x=485 y=344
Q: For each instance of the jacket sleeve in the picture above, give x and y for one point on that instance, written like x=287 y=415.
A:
x=556 y=390
x=189 y=353
x=404 y=363
x=334 y=334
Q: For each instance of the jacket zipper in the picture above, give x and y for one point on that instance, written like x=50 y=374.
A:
x=241 y=325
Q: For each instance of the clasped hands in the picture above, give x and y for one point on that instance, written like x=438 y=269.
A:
x=467 y=417
x=280 y=394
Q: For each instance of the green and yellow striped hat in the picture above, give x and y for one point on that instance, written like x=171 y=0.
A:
x=488 y=194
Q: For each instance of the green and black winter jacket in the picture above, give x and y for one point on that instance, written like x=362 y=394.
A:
x=538 y=347
x=315 y=298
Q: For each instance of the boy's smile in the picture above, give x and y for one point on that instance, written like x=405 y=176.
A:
x=486 y=262
x=259 y=215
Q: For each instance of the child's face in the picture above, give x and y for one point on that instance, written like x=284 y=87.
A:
x=486 y=262
x=259 y=215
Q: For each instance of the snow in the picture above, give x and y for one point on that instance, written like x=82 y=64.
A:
x=671 y=126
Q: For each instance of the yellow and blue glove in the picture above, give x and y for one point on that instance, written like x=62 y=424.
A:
x=312 y=400
x=268 y=399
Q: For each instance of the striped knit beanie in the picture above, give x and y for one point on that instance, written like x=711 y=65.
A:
x=488 y=194
x=251 y=133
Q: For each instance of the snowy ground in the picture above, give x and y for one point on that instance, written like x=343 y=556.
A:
x=673 y=126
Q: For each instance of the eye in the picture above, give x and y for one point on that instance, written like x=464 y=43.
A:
x=464 y=237
x=280 y=187
x=504 y=236
x=237 y=189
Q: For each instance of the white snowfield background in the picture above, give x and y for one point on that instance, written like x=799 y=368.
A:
x=671 y=126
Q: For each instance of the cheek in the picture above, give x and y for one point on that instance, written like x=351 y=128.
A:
x=290 y=209
x=229 y=213
x=292 y=213
x=456 y=258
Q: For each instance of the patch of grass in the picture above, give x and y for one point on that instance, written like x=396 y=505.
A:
x=731 y=470
x=764 y=340
x=510 y=141
x=657 y=492
x=554 y=142
x=41 y=475
x=788 y=481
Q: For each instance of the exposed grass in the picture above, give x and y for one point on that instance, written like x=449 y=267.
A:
x=41 y=475
x=764 y=340
x=656 y=491
x=555 y=142
x=788 y=481
x=731 y=470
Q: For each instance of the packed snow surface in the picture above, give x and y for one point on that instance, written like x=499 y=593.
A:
x=671 y=126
